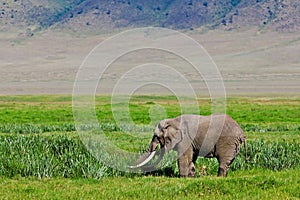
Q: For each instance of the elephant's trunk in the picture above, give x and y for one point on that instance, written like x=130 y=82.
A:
x=149 y=155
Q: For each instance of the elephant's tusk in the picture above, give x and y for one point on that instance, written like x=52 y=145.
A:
x=145 y=161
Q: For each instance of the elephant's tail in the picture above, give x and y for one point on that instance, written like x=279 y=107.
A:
x=245 y=146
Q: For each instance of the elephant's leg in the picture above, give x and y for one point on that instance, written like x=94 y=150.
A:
x=226 y=151
x=224 y=165
x=185 y=164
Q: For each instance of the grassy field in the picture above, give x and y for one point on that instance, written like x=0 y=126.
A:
x=43 y=157
x=252 y=184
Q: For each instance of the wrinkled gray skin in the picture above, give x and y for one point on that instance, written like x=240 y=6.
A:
x=191 y=136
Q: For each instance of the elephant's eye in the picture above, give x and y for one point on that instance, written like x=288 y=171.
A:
x=165 y=129
x=168 y=140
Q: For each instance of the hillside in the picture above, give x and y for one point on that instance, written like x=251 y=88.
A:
x=105 y=15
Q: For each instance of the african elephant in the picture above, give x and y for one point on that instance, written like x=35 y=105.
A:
x=217 y=135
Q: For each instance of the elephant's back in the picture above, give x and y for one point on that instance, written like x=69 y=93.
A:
x=221 y=123
x=232 y=128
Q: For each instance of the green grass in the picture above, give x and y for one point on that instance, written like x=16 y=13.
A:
x=58 y=109
x=255 y=184
x=43 y=157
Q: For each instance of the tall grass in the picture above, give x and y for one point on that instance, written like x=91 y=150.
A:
x=272 y=155
x=28 y=128
x=42 y=156
x=25 y=128
x=65 y=156
x=263 y=128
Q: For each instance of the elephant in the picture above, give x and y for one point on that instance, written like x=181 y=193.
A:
x=214 y=136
